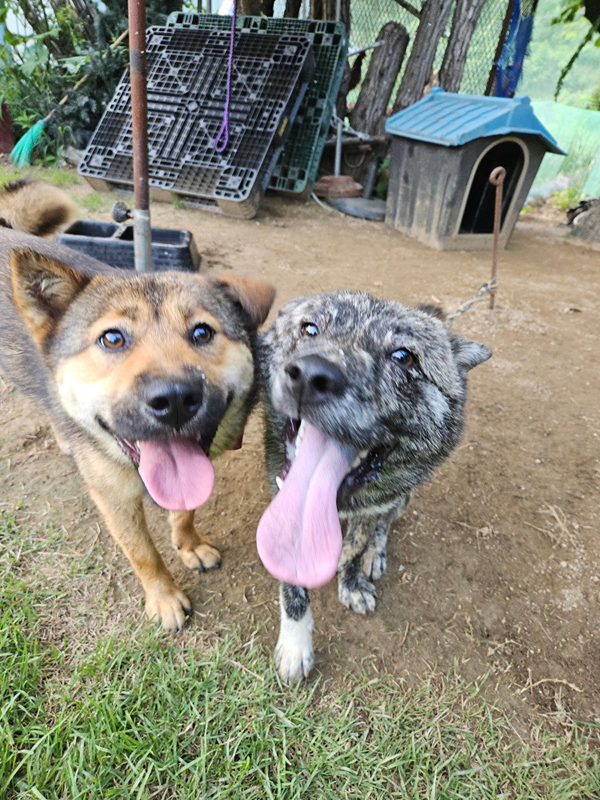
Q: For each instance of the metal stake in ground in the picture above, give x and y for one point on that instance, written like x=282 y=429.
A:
x=496 y=179
x=139 y=128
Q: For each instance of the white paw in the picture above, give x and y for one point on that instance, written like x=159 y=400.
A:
x=294 y=655
x=374 y=563
x=359 y=594
x=293 y=660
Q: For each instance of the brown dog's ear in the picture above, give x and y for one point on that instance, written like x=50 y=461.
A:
x=42 y=289
x=253 y=295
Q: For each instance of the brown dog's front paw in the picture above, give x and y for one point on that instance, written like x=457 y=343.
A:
x=202 y=557
x=168 y=605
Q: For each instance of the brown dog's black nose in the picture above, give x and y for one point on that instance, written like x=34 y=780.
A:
x=312 y=379
x=174 y=403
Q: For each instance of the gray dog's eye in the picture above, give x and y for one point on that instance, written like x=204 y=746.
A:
x=309 y=329
x=403 y=357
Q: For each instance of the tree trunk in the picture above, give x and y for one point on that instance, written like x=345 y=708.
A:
x=368 y=115
x=315 y=9
x=325 y=9
x=591 y=9
x=341 y=102
x=434 y=16
x=490 y=89
x=292 y=8
x=465 y=19
x=257 y=8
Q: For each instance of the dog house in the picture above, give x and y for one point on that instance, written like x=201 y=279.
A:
x=443 y=150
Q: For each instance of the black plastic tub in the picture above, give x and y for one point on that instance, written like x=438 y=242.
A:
x=113 y=244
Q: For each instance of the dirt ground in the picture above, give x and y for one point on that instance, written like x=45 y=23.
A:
x=495 y=567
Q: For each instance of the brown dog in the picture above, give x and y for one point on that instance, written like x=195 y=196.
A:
x=144 y=375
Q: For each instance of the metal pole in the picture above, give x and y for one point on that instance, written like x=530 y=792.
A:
x=496 y=179
x=139 y=122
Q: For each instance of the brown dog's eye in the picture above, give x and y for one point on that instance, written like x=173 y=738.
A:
x=309 y=329
x=113 y=340
x=403 y=357
x=202 y=334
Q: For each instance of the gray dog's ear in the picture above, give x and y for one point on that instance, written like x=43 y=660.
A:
x=467 y=353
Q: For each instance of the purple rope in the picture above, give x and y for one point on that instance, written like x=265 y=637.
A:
x=224 y=132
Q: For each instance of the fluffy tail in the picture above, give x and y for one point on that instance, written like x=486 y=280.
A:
x=34 y=207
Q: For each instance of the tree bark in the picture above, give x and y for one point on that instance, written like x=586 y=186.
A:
x=490 y=89
x=434 y=16
x=466 y=16
x=292 y=8
x=591 y=10
x=325 y=9
x=368 y=115
x=341 y=102
x=256 y=8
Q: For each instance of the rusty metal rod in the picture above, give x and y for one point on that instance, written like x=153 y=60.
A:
x=139 y=124
x=497 y=176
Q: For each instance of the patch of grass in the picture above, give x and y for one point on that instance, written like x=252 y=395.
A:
x=567 y=198
x=57 y=177
x=96 y=202
x=151 y=716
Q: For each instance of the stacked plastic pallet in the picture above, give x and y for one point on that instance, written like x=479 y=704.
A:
x=297 y=168
x=187 y=88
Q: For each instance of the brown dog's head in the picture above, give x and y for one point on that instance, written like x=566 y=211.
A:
x=157 y=367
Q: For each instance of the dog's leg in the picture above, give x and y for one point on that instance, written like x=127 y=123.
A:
x=195 y=550
x=354 y=590
x=118 y=493
x=63 y=445
x=294 y=651
x=374 y=560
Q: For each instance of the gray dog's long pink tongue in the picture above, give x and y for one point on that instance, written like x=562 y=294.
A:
x=299 y=537
x=177 y=473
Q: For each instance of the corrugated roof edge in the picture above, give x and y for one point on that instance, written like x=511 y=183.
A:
x=513 y=115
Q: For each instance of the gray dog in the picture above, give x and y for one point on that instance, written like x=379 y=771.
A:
x=365 y=398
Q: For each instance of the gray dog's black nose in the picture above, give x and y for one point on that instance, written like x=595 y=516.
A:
x=313 y=379
x=174 y=403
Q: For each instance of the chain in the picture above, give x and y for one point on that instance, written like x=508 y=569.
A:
x=487 y=287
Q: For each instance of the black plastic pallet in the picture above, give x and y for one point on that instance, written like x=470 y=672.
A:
x=113 y=244
x=187 y=75
x=297 y=169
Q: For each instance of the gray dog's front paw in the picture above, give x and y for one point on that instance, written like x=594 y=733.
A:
x=294 y=659
x=374 y=562
x=357 y=593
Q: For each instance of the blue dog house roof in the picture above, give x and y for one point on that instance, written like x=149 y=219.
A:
x=452 y=120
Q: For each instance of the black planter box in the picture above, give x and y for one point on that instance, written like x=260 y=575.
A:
x=113 y=244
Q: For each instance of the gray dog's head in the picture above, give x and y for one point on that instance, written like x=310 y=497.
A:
x=371 y=374
x=365 y=397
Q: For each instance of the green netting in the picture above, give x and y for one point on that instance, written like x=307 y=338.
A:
x=577 y=131
x=368 y=17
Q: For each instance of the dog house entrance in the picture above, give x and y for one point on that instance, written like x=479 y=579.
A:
x=478 y=216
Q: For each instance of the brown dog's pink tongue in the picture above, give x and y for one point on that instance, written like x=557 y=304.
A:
x=177 y=473
x=299 y=537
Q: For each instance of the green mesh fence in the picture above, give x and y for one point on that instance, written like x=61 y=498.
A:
x=368 y=17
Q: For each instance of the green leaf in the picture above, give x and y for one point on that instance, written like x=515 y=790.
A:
x=36 y=55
